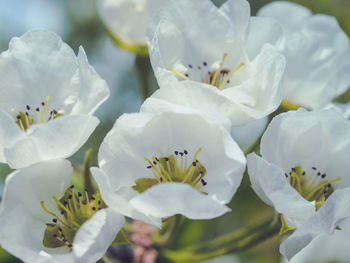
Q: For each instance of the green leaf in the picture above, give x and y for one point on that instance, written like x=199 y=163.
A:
x=121 y=239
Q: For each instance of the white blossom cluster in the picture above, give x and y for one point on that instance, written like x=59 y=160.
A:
x=217 y=68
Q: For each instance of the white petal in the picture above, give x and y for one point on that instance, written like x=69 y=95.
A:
x=37 y=65
x=246 y=135
x=239 y=12
x=262 y=30
x=58 y=138
x=270 y=184
x=94 y=90
x=168 y=199
x=128 y=19
x=95 y=236
x=311 y=139
x=290 y=15
x=22 y=219
x=117 y=201
x=335 y=210
x=9 y=133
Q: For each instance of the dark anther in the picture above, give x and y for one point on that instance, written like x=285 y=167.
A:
x=286 y=175
x=201 y=172
x=186 y=75
x=303 y=172
x=43 y=104
x=54 y=220
x=166 y=159
x=37 y=109
x=27 y=113
x=62 y=212
x=293 y=169
x=92 y=198
x=176 y=152
x=54 y=235
x=185 y=152
x=157 y=159
x=79 y=194
x=329 y=185
x=28 y=108
x=190 y=66
x=99 y=208
x=18 y=117
x=149 y=167
x=60 y=229
x=86 y=190
x=323 y=175
x=161 y=179
x=72 y=186
x=205 y=63
x=64 y=240
x=204 y=183
x=318 y=173
x=65 y=203
x=314 y=168
x=194 y=163
x=94 y=208
x=154 y=162
x=70 y=197
x=99 y=202
x=182 y=154
x=199 y=67
x=70 y=245
x=54 y=111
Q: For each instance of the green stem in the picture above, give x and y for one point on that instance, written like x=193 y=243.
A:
x=232 y=237
x=229 y=246
x=144 y=69
x=171 y=230
x=86 y=171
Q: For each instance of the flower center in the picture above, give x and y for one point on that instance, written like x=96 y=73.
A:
x=37 y=115
x=218 y=78
x=176 y=167
x=75 y=209
x=312 y=185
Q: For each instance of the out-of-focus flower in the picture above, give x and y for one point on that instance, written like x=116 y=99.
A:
x=44 y=219
x=302 y=172
x=127 y=20
x=226 y=67
x=327 y=248
x=47 y=98
x=317 y=53
x=176 y=163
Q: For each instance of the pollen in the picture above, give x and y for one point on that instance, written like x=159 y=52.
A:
x=75 y=208
x=176 y=167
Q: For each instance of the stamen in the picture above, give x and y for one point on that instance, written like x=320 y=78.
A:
x=219 y=70
x=229 y=76
x=178 y=73
x=45 y=105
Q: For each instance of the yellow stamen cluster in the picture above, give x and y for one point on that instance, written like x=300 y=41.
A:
x=75 y=209
x=174 y=168
x=218 y=78
x=26 y=120
x=313 y=187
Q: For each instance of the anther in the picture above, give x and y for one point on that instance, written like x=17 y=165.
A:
x=72 y=186
x=79 y=194
x=18 y=117
x=37 y=109
x=28 y=108
x=194 y=163
x=314 y=168
x=70 y=197
x=185 y=152
x=190 y=66
x=176 y=152
x=323 y=175
x=149 y=167
x=54 y=220
x=205 y=63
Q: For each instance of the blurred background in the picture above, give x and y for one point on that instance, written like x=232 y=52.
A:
x=78 y=24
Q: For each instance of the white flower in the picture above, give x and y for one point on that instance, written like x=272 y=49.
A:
x=47 y=98
x=317 y=53
x=327 y=248
x=128 y=19
x=302 y=171
x=44 y=219
x=223 y=66
x=176 y=163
